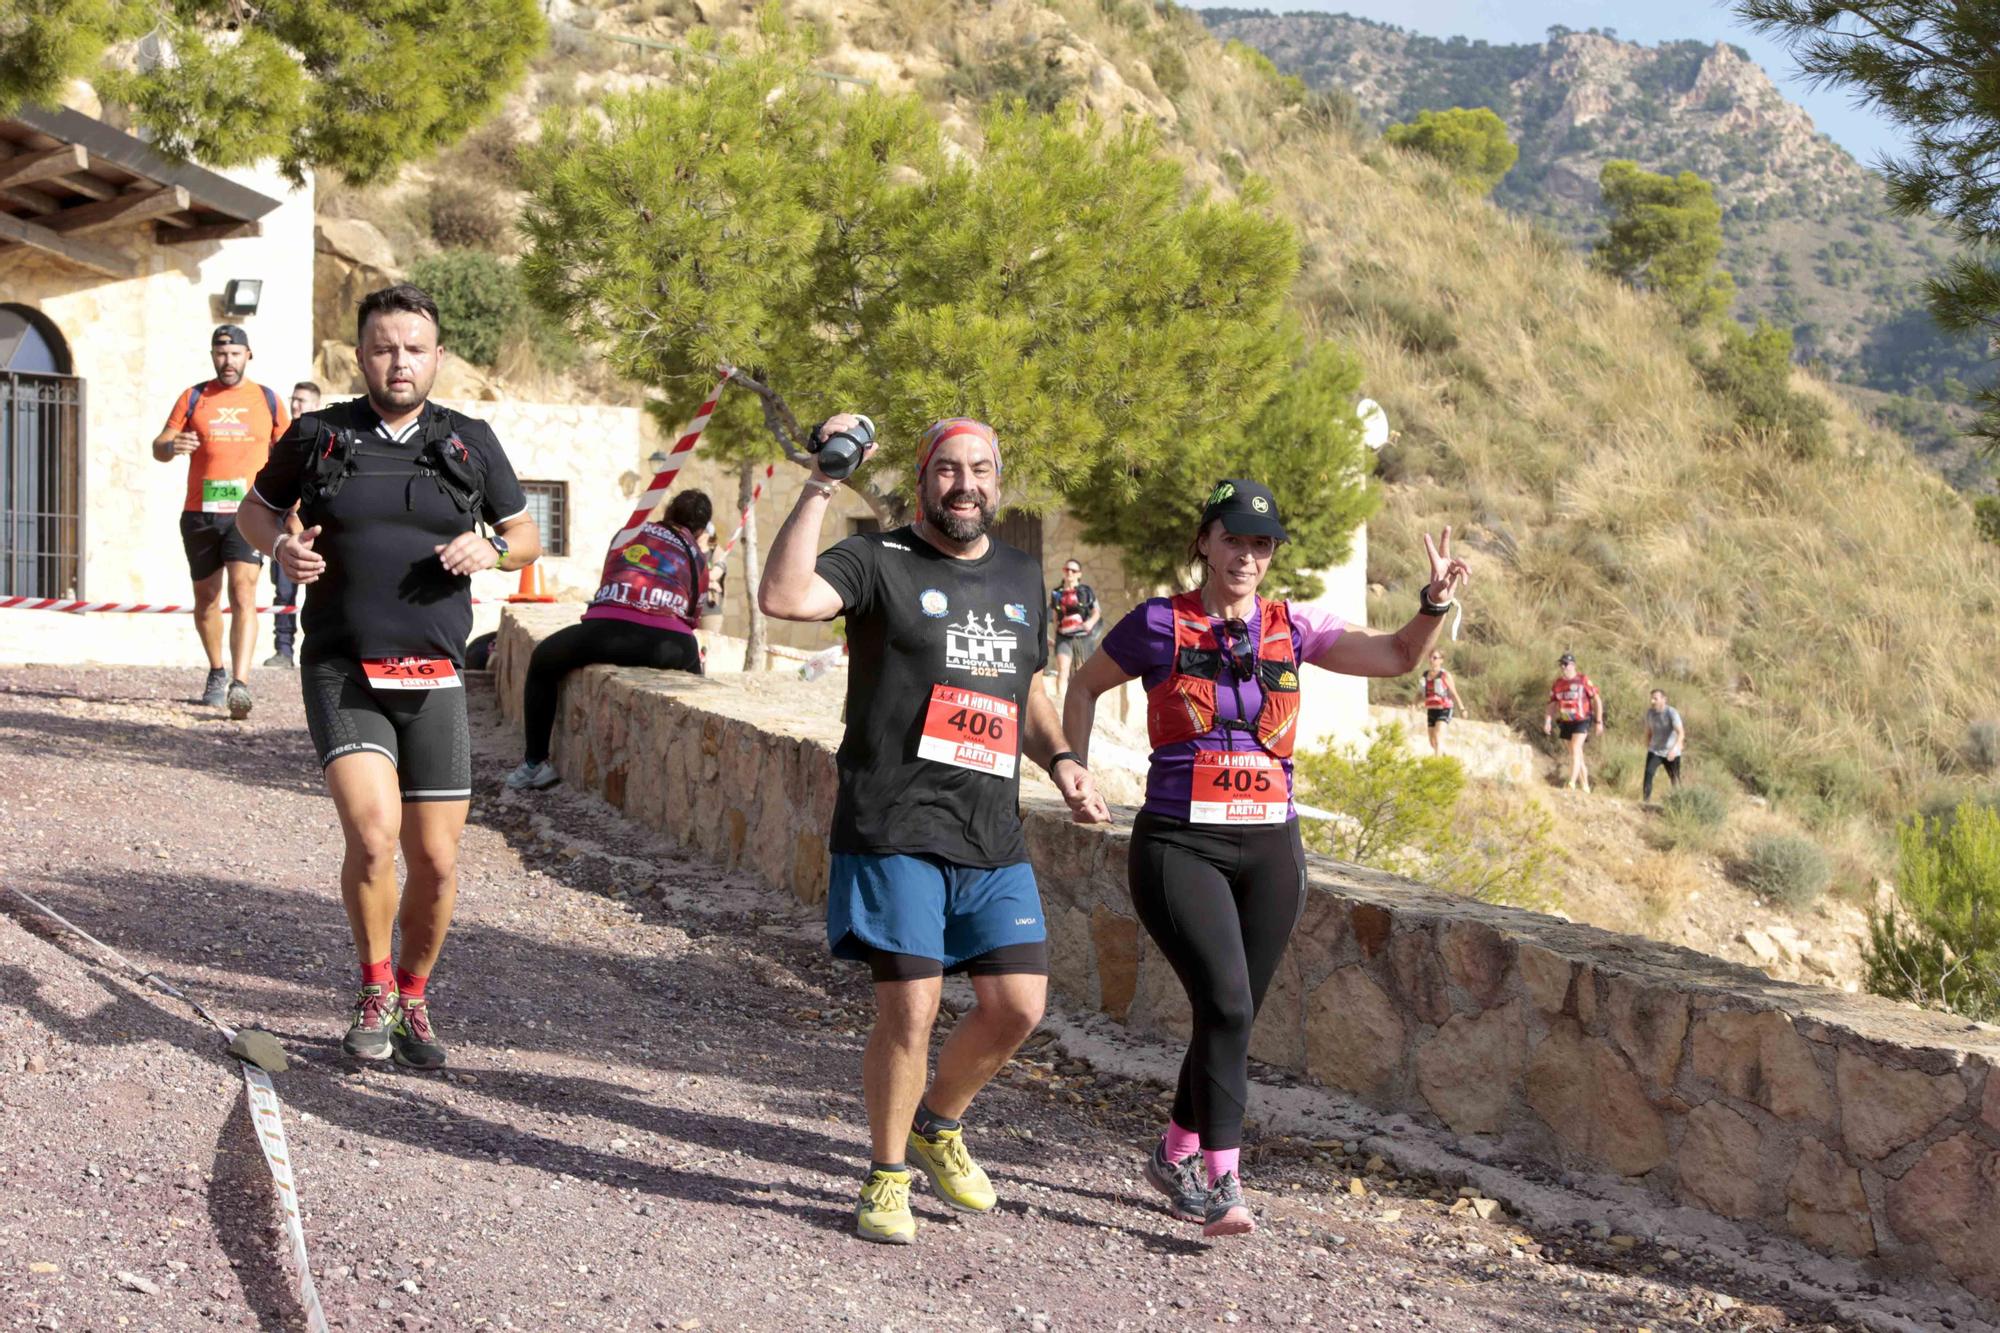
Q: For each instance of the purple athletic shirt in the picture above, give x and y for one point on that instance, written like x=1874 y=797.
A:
x=1142 y=644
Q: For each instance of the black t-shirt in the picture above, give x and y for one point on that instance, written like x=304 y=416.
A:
x=384 y=593
x=1077 y=601
x=916 y=618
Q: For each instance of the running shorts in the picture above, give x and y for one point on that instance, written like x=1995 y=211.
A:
x=1438 y=716
x=928 y=907
x=211 y=540
x=424 y=733
x=1076 y=648
x=1577 y=728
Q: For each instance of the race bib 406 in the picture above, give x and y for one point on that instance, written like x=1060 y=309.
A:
x=967 y=729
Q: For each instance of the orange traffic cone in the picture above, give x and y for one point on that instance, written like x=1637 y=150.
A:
x=531 y=589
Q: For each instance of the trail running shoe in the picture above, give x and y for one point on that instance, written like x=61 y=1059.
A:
x=883 y=1215
x=215 y=691
x=1228 y=1215
x=368 y=1033
x=413 y=1037
x=954 y=1175
x=281 y=660
x=1187 y=1197
x=239 y=700
x=533 y=777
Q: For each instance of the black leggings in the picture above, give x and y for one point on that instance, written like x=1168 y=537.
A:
x=1656 y=762
x=1221 y=903
x=613 y=642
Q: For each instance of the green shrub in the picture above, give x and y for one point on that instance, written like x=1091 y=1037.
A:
x=1986 y=517
x=1753 y=370
x=1941 y=945
x=1786 y=868
x=479 y=298
x=467 y=214
x=1402 y=812
x=1472 y=144
x=1692 y=816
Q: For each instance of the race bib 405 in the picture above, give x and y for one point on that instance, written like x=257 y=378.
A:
x=1238 y=787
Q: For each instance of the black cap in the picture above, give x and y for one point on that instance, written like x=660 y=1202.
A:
x=227 y=335
x=1567 y=659
x=1246 y=508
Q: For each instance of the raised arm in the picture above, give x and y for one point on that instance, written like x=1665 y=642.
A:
x=1367 y=652
x=790 y=588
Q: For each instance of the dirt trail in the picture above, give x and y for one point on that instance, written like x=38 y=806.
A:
x=651 y=1118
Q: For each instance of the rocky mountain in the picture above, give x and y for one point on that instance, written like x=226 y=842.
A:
x=1806 y=234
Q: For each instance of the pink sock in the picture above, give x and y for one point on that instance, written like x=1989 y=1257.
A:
x=1220 y=1162
x=1181 y=1143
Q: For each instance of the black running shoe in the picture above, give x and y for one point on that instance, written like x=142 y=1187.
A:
x=1228 y=1215
x=415 y=1040
x=1187 y=1197
x=215 y=690
x=239 y=700
x=368 y=1031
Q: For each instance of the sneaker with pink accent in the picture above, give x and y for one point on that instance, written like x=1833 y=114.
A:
x=1228 y=1215
x=368 y=1027
x=415 y=1040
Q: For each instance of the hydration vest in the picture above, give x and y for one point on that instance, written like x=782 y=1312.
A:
x=1572 y=697
x=441 y=455
x=1435 y=695
x=1182 y=707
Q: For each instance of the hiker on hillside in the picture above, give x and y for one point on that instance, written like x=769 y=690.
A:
x=1575 y=706
x=1666 y=738
x=1440 y=697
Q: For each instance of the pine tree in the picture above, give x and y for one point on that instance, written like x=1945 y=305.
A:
x=1664 y=236
x=1472 y=144
x=1930 y=66
x=1064 y=286
x=355 y=86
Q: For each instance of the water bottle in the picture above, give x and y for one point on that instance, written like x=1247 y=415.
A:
x=840 y=453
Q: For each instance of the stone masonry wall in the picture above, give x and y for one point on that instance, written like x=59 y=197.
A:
x=1866 y=1129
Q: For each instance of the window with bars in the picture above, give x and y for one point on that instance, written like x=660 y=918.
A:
x=548 y=505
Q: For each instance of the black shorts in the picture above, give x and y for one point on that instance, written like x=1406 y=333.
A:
x=210 y=540
x=1029 y=959
x=1439 y=716
x=424 y=733
x=1577 y=728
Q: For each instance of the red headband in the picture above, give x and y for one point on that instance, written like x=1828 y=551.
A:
x=944 y=430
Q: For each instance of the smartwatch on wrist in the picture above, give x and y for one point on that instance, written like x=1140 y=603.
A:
x=1070 y=755
x=500 y=545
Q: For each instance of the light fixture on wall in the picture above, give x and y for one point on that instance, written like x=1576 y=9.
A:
x=242 y=295
x=656 y=460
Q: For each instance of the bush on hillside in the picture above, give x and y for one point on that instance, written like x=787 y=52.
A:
x=1986 y=517
x=479 y=298
x=467 y=214
x=1691 y=816
x=1471 y=142
x=1785 y=868
x=1753 y=370
x=1665 y=235
x=1939 y=944
x=1405 y=813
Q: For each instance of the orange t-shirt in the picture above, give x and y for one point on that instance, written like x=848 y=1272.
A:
x=237 y=429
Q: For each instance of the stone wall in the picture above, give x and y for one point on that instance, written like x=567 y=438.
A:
x=1865 y=1129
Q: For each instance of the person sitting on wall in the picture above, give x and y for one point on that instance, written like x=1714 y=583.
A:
x=643 y=615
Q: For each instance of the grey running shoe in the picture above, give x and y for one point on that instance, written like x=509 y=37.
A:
x=368 y=1031
x=415 y=1040
x=533 y=777
x=1187 y=1197
x=1228 y=1215
x=215 y=692
x=281 y=660
x=239 y=700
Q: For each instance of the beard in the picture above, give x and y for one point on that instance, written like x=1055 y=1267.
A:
x=960 y=529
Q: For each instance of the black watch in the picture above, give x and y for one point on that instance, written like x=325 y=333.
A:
x=1070 y=755
x=500 y=545
x=1426 y=607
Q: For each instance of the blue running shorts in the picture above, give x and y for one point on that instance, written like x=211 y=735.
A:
x=928 y=907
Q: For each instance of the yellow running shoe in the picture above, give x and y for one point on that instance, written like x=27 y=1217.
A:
x=883 y=1215
x=954 y=1175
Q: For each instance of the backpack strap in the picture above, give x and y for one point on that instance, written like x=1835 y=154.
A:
x=194 y=401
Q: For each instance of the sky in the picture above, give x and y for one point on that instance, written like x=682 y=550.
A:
x=1863 y=133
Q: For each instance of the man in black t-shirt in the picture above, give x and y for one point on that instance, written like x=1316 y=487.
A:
x=391 y=489
x=930 y=873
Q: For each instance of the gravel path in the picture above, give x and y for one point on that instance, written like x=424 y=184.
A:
x=651 y=1119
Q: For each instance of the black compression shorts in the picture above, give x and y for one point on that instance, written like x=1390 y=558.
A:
x=1438 y=715
x=424 y=733
x=1031 y=958
x=1580 y=727
x=211 y=540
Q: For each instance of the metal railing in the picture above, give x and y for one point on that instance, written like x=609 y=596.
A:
x=41 y=485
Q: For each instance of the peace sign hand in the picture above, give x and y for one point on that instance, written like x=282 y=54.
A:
x=1448 y=574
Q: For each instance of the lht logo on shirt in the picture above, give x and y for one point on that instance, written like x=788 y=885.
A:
x=979 y=648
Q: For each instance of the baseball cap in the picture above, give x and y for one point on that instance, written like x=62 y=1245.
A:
x=1246 y=508
x=229 y=334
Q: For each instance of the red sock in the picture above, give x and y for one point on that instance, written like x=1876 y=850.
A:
x=377 y=974
x=409 y=985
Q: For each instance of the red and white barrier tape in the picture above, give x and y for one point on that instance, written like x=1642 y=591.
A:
x=743 y=519
x=266 y=1113
x=675 y=458
x=74 y=606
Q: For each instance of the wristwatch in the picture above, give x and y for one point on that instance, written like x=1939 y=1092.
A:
x=500 y=545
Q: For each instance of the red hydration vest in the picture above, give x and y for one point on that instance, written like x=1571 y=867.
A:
x=1572 y=697
x=1182 y=707
x=1435 y=695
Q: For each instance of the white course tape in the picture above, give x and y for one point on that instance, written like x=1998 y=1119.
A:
x=266 y=1112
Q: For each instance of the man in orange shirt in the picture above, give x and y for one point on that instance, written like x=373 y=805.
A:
x=224 y=427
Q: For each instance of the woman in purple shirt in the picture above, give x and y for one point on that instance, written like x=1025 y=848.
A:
x=1217 y=869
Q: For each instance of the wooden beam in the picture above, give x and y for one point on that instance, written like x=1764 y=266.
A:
x=167 y=234
x=134 y=206
x=33 y=200
x=26 y=168
x=95 y=257
x=90 y=187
